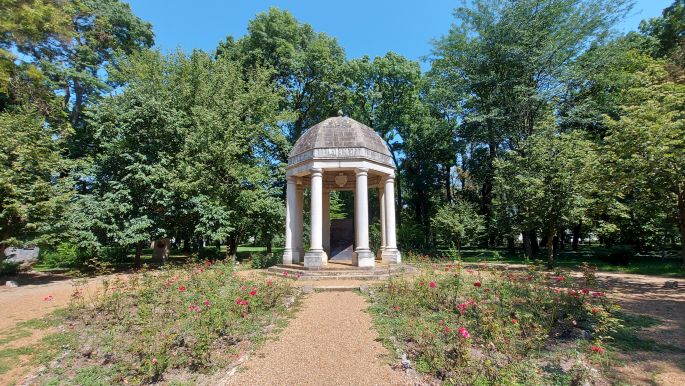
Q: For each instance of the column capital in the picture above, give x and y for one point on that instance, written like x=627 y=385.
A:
x=291 y=180
x=361 y=171
x=389 y=178
x=317 y=171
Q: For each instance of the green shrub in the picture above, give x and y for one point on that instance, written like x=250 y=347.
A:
x=616 y=255
x=466 y=327
x=192 y=319
x=9 y=269
x=210 y=253
x=66 y=255
x=264 y=260
x=113 y=254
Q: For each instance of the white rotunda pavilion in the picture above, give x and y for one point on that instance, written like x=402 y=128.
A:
x=339 y=154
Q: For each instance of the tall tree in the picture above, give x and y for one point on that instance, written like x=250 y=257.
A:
x=306 y=64
x=383 y=93
x=29 y=162
x=96 y=32
x=546 y=184
x=645 y=148
x=509 y=59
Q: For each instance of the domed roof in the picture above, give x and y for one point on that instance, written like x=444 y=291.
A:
x=340 y=138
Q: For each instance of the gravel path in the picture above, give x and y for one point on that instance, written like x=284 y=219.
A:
x=331 y=341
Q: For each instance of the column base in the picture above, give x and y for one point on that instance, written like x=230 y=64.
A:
x=315 y=259
x=363 y=258
x=391 y=256
x=290 y=256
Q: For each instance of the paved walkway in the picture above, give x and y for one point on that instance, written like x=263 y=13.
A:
x=330 y=342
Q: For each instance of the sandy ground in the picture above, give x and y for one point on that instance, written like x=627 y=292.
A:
x=641 y=294
x=38 y=295
x=331 y=341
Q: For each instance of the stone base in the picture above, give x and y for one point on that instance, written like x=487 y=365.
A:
x=290 y=256
x=379 y=253
x=391 y=256
x=315 y=259
x=363 y=258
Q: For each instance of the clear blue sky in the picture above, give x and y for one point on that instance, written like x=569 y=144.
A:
x=362 y=27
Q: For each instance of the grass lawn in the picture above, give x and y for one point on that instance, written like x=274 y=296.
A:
x=671 y=265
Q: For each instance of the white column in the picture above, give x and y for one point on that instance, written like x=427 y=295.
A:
x=381 y=205
x=364 y=256
x=298 y=245
x=315 y=257
x=326 y=236
x=390 y=254
x=290 y=220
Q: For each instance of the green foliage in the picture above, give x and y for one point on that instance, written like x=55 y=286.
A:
x=668 y=29
x=458 y=223
x=644 y=150
x=9 y=269
x=29 y=162
x=210 y=253
x=264 y=260
x=65 y=255
x=547 y=183
x=616 y=255
x=194 y=319
x=489 y=328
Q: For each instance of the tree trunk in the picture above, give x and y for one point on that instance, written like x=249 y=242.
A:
x=550 y=248
x=681 y=219
x=527 y=247
x=534 y=242
x=269 y=245
x=232 y=251
x=139 y=250
x=448 y=184
x=78 y=102
x=576 y=236
x=186 y=245
x=556 y=243
x=510 y=243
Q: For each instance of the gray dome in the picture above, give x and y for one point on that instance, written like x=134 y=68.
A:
x=340 y=138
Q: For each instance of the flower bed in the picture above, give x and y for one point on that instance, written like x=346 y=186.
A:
x=466 y=327
x=180 y=321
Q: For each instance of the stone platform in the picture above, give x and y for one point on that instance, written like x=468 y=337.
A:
x=343 y=270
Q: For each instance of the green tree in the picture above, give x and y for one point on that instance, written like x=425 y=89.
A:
x=29 y=163
x=645 y=148
x=668 y=29
x=545 y=184
x=89 y=35
x=383 y=93
x=306 y=63
x=458 y=223
x=510 y=60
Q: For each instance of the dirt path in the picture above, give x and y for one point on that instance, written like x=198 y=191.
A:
x=37 y=296
x=331 y=341
x=646 y=295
